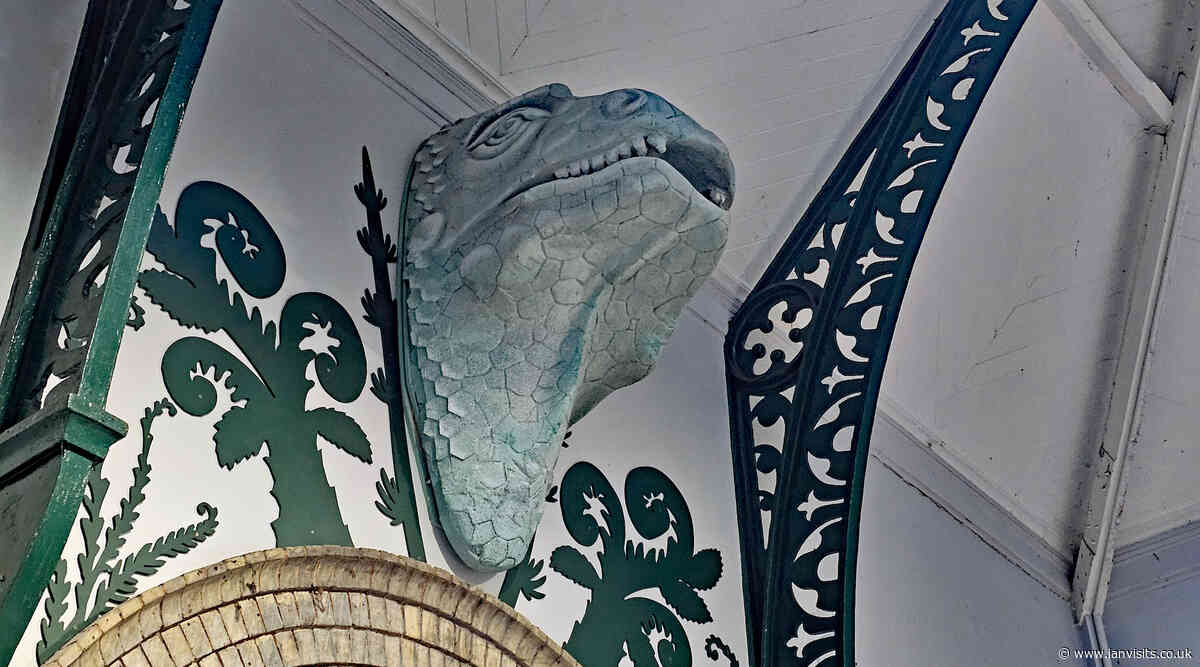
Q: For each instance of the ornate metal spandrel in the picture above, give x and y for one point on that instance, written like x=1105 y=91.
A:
x=132 y=75
x=79 y=234
x=806 y=351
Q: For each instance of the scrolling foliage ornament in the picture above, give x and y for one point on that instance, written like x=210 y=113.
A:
x=105 y=579
x=269 y=395
x=618 y=622
x=805 y=353
x=130 y=81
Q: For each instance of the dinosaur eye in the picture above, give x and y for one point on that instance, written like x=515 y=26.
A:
x=503 y=132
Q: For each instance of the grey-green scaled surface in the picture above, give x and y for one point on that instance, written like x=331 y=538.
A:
x=550 y=246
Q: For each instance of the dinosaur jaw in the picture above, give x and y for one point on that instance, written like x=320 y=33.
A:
x=565 y=295
x=698 y=156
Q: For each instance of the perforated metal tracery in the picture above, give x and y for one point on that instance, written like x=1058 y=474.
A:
x=805 y=353
x=78 y=226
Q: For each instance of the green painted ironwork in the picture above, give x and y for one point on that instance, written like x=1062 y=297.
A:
x=266 y=397
x=397 y=499
x=716 y=648
x=106 y=580
x=130 y=82
x=524 y=580
x=618 y=622
x=806 y=351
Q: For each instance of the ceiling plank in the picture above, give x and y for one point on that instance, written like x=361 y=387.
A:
x=1103 y=49
x=409 y=16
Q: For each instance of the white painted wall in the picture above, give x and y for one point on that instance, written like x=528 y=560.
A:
x=930 y=592
x=37 y=44
x=1162 y=618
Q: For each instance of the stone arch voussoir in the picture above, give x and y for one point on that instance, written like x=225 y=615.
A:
x=313 y=606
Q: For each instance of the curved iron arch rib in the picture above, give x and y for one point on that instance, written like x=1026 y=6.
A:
x=805 y=353
x=135 y=64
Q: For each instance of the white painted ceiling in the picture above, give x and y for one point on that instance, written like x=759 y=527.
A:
x=1152 y=32
x=1010 y=332
x=783 y=83
x=1012 y=323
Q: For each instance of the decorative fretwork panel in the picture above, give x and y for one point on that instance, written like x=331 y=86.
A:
x=130 y=81
x=806 y=351
x=78 y=225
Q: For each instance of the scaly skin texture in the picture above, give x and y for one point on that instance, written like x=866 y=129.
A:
x=551 y=245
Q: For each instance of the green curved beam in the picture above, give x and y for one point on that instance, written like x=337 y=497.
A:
x=806 y=351
x=130 y=82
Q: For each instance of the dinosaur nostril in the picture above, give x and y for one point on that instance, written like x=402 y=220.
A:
x=624 y=102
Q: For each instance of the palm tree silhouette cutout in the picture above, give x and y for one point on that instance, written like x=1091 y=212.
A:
x=268 y=394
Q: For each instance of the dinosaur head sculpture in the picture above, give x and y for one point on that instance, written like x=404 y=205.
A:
x=550 y=246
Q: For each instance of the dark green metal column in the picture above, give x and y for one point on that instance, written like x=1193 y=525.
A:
x=131 y=79
x=807 y=348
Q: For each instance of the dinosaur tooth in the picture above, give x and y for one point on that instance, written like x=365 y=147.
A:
x=639 y=146
x=717 y=196
x=658 y=141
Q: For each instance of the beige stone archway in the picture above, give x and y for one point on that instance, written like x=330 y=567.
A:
x=313 y=606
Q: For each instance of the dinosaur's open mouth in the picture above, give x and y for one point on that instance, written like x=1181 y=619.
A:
x=703 y=161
